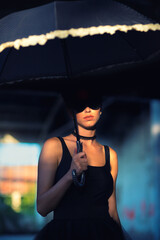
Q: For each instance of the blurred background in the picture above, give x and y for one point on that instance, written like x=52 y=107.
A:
x=130 y=125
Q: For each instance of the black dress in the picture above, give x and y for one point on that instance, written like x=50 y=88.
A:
x=83 y=212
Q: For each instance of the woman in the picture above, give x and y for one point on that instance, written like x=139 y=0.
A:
x=87 y=212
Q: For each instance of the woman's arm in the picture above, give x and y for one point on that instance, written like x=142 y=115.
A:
x=112 y=200
x=48 y=193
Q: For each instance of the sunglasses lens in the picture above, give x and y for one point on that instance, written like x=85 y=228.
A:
x=79 y=107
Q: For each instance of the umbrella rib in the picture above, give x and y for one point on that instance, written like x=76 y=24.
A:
x=56 y=18
x=66 y=58
x=131 y=45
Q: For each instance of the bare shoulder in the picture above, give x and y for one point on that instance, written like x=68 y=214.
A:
x=52 y=142
x=51 y=150
x=113 y=154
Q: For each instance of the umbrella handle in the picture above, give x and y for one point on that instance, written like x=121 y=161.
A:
x=78 y=183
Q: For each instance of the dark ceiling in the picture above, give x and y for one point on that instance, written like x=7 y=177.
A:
x=30 y=116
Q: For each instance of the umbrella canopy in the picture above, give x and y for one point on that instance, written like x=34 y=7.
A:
x=75 y=18
x=79 y=40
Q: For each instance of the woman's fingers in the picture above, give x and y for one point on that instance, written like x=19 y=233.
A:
x=80 y=154
x=79 y=162
x=75 y=151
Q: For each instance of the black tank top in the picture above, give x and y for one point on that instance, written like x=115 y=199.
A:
x=90 y=201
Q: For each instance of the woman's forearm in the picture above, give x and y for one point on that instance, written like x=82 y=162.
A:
x=48 y=201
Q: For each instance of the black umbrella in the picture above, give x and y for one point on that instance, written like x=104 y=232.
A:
x=83 y=39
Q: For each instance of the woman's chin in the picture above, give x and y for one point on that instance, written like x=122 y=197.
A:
x=90 y=126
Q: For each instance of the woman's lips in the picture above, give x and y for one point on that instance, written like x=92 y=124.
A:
x=89 y=117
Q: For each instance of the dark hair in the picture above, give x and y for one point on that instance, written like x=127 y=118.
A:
x=79 y=99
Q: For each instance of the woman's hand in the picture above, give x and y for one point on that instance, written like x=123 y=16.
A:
x=79 y=162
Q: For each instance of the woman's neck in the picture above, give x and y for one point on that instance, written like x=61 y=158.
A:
x=86 y=132
x=86 y=135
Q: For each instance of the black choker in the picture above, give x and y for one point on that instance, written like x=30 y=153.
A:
x=84 y=137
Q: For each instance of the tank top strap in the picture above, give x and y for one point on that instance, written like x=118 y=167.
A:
x=64 y=147
x=62 y=142
x=107 y=154
x=65 y=162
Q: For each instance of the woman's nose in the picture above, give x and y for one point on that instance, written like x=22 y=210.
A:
x=87 y=109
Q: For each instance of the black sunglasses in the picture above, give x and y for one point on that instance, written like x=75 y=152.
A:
x=80 y=106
